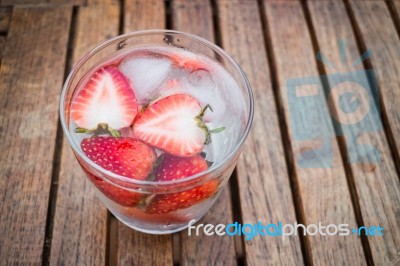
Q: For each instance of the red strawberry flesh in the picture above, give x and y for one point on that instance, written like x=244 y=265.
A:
x=175 y=168
x=107 y=98
x=188 y=63
x=170 y=124
x=121 y=196
x=124 y=156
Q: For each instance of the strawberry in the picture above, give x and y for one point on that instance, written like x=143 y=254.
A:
x=107 y=98
x=174 y=168
x=124 y=156
x=121 y=196
x=189 y=63
x=173 y=124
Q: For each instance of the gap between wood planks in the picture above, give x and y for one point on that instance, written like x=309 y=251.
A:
x=5 y=20
x=368 y=65
x=233 y=181
x=394 y=14
x=286 y=141
x=341 y=142
x=112 y=222
x=51 y=209
x=176 y=238
x=112 y=240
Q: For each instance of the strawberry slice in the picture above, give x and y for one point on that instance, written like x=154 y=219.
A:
x=189 y=63
x=174 y=168
x=124 y=156
x=107 y=98
x=173 y=124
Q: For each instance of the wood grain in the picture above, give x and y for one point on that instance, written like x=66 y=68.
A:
x=384 y=45
x=397 y=8
x=323 y=190
x=142 y=14
x=195 y=17
x=5 y=18
x=2 y=45
x=382 y=190
x=44 y=3
x=30 y=81
x=135 y=248
x=262 y=173
x=80 y=222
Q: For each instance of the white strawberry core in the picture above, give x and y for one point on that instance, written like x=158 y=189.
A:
x=107 y=98
x=180 y=128
x=170 y=125
x=105 y=106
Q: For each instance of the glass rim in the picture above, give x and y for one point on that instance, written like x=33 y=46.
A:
x=119 y=38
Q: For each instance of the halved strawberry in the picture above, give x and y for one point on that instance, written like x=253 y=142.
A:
x=173 y=124
x=188 y=62
x=124 y=156
x=174 y=168
x=107 y=98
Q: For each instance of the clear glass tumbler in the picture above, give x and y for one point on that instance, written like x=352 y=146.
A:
x=237 y=118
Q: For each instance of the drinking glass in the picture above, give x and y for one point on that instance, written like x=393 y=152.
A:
x=238 y=102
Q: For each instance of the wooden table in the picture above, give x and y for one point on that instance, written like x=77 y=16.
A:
x=49 y=214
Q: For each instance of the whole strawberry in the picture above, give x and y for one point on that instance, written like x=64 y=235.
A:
x=121 y=196
x=123 y=156
x=175 y=168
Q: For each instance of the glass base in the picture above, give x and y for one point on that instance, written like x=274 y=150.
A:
x=155 y=232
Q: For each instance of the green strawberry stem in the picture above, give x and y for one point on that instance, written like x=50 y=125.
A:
x=217 y=130
x=102 y=128
x=203 y=126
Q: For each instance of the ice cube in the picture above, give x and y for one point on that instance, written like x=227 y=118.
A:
x=201 y=85
x=146 y=74
x=223 y=143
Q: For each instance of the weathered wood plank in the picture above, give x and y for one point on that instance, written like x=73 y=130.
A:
x=396 y=6
x=195 y=17
x=141 y=15
x=135 y=248
x=80 y=222
x=262 y=173
x=322 y=188
x=47 y=3
x=5 y=18
x=384 y=46
x=380 y=189
x=30 y=81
